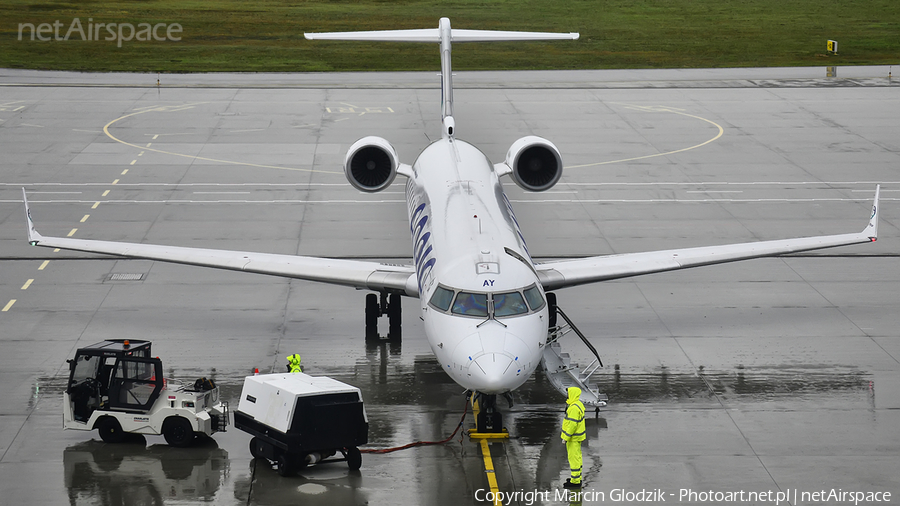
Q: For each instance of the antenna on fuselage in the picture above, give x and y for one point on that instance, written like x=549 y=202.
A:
x=445 y=36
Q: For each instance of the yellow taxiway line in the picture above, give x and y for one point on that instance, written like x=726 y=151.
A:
x=489 y=470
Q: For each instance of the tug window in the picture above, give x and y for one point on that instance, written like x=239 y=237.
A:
x=470 y=304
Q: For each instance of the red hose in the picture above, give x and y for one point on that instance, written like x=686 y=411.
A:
x=421 y=443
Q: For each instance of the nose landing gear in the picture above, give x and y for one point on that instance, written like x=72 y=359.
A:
x=488 y=419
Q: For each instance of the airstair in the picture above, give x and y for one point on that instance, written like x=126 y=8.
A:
x=560 y=370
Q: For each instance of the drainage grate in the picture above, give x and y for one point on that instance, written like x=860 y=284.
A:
x=126 y=276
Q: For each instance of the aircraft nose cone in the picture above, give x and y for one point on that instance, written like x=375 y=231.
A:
x=488 y=372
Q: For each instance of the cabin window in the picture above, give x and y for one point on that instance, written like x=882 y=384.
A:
x=442 y=298
x=509 y=304
x=470 y=304
x=533 y=296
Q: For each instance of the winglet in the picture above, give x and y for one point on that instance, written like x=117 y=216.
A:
x=33 y=236
x=872 y=230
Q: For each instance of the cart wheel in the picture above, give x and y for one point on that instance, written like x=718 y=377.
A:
x=283 y=464
x=178 y=432
x=110 y=430
x=354 y=458
x=256 y=448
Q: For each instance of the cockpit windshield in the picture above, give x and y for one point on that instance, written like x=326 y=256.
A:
x=481 y=304
x=442 y=298
x=471 y=304
x=509 y=304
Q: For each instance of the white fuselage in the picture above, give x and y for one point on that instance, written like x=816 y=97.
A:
x=466 y=241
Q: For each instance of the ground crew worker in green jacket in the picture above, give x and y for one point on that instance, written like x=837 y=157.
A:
x=573 y=435
x=294 y=363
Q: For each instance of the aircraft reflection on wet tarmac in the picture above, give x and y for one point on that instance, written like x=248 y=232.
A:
x=397 y=394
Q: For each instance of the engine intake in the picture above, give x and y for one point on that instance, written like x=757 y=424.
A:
x=535 y=163
x=371 y=164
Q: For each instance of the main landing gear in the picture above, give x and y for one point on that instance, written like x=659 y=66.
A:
x=390 y=306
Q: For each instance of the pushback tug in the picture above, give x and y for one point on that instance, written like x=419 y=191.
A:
x=116 y=387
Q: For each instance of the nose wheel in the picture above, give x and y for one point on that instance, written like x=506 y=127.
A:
x=488 y=419
x=389 y=306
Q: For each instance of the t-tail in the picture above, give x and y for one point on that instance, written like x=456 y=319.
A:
x=444 y=35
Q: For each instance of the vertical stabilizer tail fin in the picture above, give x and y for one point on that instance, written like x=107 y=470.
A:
x=445 y=36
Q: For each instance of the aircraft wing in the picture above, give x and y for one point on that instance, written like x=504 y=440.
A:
x=564 y=273
x=359 y=274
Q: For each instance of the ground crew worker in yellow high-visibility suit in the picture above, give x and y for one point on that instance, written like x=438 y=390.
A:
x=294 y=363
x=573 y=435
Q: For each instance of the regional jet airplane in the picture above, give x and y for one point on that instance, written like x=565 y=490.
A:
x=483 y=299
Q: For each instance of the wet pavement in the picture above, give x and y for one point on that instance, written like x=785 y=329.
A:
x=769 y=376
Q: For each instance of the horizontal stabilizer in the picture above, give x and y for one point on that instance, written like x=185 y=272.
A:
x=434 y=35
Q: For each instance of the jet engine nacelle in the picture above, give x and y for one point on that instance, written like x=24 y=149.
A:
x=371 y=164
x=535 y=163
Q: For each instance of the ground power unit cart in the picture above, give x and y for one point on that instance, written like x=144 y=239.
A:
x=297 y=420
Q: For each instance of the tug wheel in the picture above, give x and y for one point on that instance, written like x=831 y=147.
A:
x=178 y=432
x=110 y=430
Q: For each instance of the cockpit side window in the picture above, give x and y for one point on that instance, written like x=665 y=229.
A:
x=470 y=304
x=533 y=296
x=509 y=304
x=442 y=298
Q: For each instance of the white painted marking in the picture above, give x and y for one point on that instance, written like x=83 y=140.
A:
x=220 y=193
